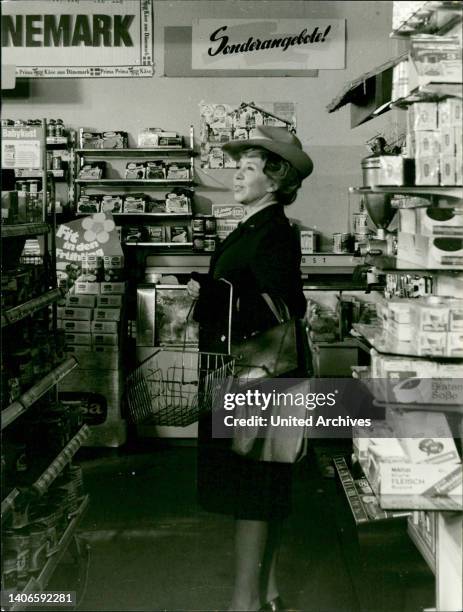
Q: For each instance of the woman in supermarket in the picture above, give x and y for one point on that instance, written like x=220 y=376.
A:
x=261 y=256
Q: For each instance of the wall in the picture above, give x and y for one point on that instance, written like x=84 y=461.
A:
x=172 y=103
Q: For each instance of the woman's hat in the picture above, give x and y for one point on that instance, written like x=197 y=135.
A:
x=277 y=140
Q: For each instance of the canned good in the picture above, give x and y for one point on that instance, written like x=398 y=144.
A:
x=209 y=244
x=198 y=224
x=23 y=186
x=51 y=128
x=34 y=186
x=341 y=243
x=59 y=127
x=198 y=242
x=210 y=225
x=56 y=165
x=360 y=223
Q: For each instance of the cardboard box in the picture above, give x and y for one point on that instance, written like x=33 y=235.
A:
x=441 y=253
x=458 y=139
x=422 y=116
x=430 y=344
x=418 y=390
x=426 y=143
x=109 y=301
x=434 y=60
x=79 y=314
x=107 y=314
x=105 y=349
x=448 y=170
x=107 y=339
x=456 y=315
x=104 y=327
x=117 y=288
x=446 y=141
x=79 y=339
x=395 y=170
x=427 y=170
x=450 y=112
x=75 y=326
x=459 y=170
x=435 y=221
x=431 y=314
x=455 y=345
x=86 y=301
x=309 y=241
x=84 y=287
x=418 y=479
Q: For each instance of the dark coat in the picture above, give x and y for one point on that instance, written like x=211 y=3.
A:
x=261 y=256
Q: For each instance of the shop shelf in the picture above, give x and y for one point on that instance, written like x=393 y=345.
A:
x=39 y=584
x=419 y=21
x=24 y=229
x=133 y=182
x=183 y=245
x=16 y=313
x=422 y=546
x=389 y=263
x=142 y=152
x=42 y=483
x=159 y=215
x=27 y=399
x=32 y=173
x=450 y=192
x=8 y=503
x=431 y=92
x=375 y=336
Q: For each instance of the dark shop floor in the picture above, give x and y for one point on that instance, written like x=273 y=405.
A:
x=152 y=548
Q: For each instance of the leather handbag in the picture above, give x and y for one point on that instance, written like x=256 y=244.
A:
x=274 y=353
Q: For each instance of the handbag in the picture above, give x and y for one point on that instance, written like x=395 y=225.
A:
x=271 y=354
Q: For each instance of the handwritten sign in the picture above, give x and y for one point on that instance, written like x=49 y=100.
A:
x=268 y=44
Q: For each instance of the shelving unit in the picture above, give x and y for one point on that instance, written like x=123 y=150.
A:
x=445 y=511
x=27 y=487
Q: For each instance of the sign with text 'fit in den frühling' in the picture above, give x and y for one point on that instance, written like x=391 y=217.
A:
x=268 y=44
x=88 y=38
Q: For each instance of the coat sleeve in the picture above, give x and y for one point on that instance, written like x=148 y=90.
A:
x=276 y=267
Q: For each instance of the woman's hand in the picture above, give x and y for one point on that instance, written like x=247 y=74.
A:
x=193 y=288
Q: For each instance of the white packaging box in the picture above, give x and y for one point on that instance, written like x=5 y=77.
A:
x=448 y=170
x=456 y=315
x=426 y=143
x=425 y=436
x=419 y=479
x=76 y=338
x=107 y=314
x=422 y=116
x=363 y=437
x=435 y=253
x=435 y=221
x=84 y=287
x=389 y=453
x=87 y=301
x=437 y=390
x=432 y=314
x=450 y=112
x=459 y=170
x=106 y=339
x=401 y=310
x=79 y=314
x=309 y=241
x=104 y=327
x=408 y=220
x=458 y=139
x=76 y=349
x=109 y=301
x=455 y=344
x=117 y=288
x=446 y=140
x=400 y=332
x=427 y=170
x=74 y=326
x=430 y=344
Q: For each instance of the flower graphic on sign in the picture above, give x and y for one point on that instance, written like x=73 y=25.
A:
x=97 y=227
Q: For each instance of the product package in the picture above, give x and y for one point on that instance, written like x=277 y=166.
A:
x=117 y=288
x=155 y=170
x=88 y=204
x=134 y=204
x=79 y=314
x=91 y=140
x=135 y=170
x=112 y=203
x=177 y=203
x=309 y=241
x=113 y=268
x=155 y=233
x=109 y=301
x=178 y=233
x=92 y=170
x=104 y=327
x=148 y=138
x=114 y=140
x=178 y=171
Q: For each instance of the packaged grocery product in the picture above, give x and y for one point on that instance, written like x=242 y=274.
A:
x=114 y=140
x=74 y=326
x=103 y=327
x=78 y=338
x=106 y=339
x=135 y=170
x=455 y=345
x=155 y=170
x=107 y=314
x=148 y=137
x=450 y=112
x=155 y=233
x=91 y=140
x=427 y=170
x=435 y=221
x=134 y=204
x=422 y=116
x=109 y=301
x=177 y=203
x=426 y=480
x=117 y=288
x=87 y=301
x=430 y=344
x=81 y=314
x=111 y=203
x=426 y=143
x=447 y=170
x=92 y=288
x=92 y=170
x=178 y=233
x=309 y=241
x=431 y=314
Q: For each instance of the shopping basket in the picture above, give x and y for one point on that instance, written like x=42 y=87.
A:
x=174 y=387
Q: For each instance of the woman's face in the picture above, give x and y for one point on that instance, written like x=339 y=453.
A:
x=250 y=183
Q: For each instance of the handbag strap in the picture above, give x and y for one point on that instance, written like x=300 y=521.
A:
x=281 y=313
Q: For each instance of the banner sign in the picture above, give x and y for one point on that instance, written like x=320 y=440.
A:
x=268 y=44
x=83 y=38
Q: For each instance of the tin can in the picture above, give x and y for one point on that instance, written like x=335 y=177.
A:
x=34 y=186
x=56 y=165
x=360 y=223
x=209 y=244
x=59 y=127
x=51 y=128
x=341 y=243
x=198 y=242
x=210 y=225
x=197 y=225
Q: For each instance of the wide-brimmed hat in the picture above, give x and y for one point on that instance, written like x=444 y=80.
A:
x=277 y=140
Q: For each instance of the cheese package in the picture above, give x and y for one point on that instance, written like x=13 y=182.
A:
x=87 y=301
x=74 y=326
x=79 y=314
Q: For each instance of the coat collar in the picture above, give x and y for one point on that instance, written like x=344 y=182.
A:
x=256 y=221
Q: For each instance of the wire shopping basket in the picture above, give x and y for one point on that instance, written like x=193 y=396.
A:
x=174 y=387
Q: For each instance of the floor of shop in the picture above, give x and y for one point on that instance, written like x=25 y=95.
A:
x=152 y=548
